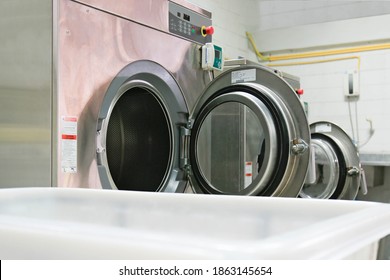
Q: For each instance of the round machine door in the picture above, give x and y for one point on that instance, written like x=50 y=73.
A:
x=138 y=130
x=336 y=164
x=249 y=136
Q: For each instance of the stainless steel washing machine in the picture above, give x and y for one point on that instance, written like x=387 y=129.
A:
x=152 y=49
x=338 y=172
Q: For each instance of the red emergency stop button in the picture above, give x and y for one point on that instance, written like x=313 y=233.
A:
x=209 y=30
x=299 y=91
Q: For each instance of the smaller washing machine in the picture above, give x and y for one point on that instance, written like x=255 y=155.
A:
x=337 y=172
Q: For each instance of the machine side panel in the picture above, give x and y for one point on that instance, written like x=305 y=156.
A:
x=25 y=93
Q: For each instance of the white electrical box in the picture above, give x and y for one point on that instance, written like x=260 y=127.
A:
x=212 y=58
x=351 y=84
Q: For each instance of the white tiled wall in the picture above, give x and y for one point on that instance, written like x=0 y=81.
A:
x=281 y=14
x=324 y=83
x=324 y=91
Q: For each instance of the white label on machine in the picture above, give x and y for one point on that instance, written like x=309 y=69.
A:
x=323 y=127
x=244 y=76
x=248 y=173
x=69 y=144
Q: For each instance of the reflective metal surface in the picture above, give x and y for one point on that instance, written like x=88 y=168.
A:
x=152 y=13
x=93 y=46
x=138 y=141
x=25 y=93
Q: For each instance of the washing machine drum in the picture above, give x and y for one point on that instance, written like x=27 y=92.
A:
x=336 y=172
x=247 y=135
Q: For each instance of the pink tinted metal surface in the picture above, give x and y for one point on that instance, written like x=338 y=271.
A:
x=148 y=12
x=93 y=46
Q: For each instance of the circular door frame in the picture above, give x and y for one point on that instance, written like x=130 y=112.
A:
x=154 y=78
x=289 y=115
x=266 y=119
x=347 y=153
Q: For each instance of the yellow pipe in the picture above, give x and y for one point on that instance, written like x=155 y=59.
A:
x=330 y=52
x=262 y=57
x=315 y=54
x=316 y=61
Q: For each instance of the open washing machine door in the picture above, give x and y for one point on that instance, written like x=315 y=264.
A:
x=336 y=161
x=138 y=131
x=248 y=135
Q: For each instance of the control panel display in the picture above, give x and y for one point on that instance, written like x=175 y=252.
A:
x=188 y=24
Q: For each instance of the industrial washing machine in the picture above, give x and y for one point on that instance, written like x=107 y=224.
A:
x=337 y=170
x=132 y=108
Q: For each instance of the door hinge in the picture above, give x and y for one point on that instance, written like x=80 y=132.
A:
x=299 y=146
x=353 y=171
x=185 y=134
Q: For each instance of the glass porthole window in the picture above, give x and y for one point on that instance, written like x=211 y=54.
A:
x=327 y=171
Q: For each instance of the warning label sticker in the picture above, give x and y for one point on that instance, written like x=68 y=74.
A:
x=248 y=173
x=69 y=144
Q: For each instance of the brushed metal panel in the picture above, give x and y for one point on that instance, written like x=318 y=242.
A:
x=152 y=13
x=93 y=46
x=25 y=93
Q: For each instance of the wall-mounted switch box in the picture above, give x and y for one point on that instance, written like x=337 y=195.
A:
x=351 y=84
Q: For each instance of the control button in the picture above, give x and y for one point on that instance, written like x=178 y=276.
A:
x=209 y=30
x=299 y=91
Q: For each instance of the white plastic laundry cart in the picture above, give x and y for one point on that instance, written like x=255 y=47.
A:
x=55 y=223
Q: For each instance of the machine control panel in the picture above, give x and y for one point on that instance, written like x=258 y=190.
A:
x=189 y=24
